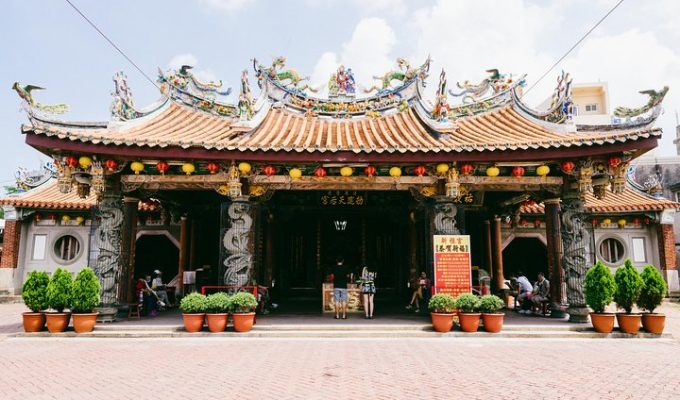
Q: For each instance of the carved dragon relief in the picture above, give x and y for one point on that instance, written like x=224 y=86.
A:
x=239 y=262
x=445 y=219
x=576 y=256
x=108 y=242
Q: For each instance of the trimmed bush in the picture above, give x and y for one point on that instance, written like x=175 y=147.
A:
x=59 y=290
x=467 y=303
x=490 y=304
x=85 y=291
x=653 y=289
x=34 y=291
x=628 y=286
x=243 y=302
x=218 y=303
x=193 y=303
x=441 y=303
x=599 y=287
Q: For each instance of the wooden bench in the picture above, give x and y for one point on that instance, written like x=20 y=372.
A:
x=135 y=311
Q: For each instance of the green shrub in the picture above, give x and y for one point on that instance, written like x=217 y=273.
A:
x=193 y=303
x=467 y=303
x=59 y=290
x=243 y=302
x=628 y=286
x=34 y=291
x=85 y=291
x=441 y=303
x=218 y=303
x=599 y=287
x=490 y=304
x=653 y=289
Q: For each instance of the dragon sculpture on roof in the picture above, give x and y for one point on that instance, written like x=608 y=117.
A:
x=25 y=92
x=655 y=98
x=440 y=111
x=404 y=74
x=245 y=98
x=184 y=79
x=494 y=83
x=288 y=78
x=123 y=105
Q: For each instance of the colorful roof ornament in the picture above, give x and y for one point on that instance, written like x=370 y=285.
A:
x=288 y=78
x=560 y=109
x=404 y=74
x=440 y=111
x=183 y=86
x=123 y=105
x=245 y=98
x=495 y=83
x=25 y=92
x=341 y=84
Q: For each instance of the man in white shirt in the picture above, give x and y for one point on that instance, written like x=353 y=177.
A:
x=158 y=286
x=525 y=290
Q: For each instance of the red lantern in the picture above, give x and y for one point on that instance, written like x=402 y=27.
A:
x=111 y=164
x=51 y=217
x=567 y=166
x=162 y=167
x=522 y=222
x=466 y=169
x=212 y=167
x=269 y=170
x=518 y=171
x=320 y=172
x=647 y=221
x=420 y=170
x=595 y=221
x=614 y=161
x=370 y=170
x=537 y=223
x=37 y=217
x=71 y=161
x=636 y=221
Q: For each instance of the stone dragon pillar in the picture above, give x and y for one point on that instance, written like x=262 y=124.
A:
x=107 y=242
x=576 y=241
x=237 y=242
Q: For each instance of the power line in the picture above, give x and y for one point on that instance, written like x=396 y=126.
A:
x=572 y=47
x=112 y=44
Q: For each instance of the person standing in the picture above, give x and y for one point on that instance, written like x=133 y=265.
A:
x=340 y=295
x=367 y=282
x=525 y=292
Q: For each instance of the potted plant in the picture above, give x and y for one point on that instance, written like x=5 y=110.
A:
x=652 y=294
x=599 y=288
x=490 y=305
x=468 y=315
x=34 y=293
x=243 y=305
x=217 y=310
x=58 y=298
x=442 y=309
x=84 y=298
x=193 y=308
x=628 y=287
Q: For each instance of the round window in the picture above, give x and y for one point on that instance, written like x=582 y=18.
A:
x=67 y=248
x=611 y=250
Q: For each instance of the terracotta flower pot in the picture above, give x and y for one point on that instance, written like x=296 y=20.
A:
x=493 y=323
x=85 y=322
x=217 y=322
x=243 y=322
x=33 y=321
x=602 y=322
x=629 y=323
x=193 y=322
x=469 y=322
x=442 y=322
x=57 y=322
x=653 y=323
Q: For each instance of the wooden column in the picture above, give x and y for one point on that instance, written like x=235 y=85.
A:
x=269 y=251
x=184 y=222
x=192 y=245
x=489 y=248
x=497 y=254
x=127 y=250
x=554 y=244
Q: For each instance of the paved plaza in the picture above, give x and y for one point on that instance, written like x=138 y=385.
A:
x=430 y=368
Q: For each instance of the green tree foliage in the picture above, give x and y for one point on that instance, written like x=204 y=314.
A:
x=243 y=302
x=628 y=286
x=34 y=291
x=441 y=303
x=218 y=303
x=653 y=290
x=467 y=303
x=599 y=287
x=193 y=303
x=59 y=290
x=85 y=291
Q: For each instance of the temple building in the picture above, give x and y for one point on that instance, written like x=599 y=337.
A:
x=275 y=187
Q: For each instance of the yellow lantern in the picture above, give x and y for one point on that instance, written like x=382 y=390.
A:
x=543 y=170
x=80 y=220
x=85 y=162
x=622 y=222
x=188 y=168
x=442 y=168
x=346 y=171
x=65 y=218
x=607 y=221
x=245 y=168
x=137 y=167
x=295 y=173
x=493 y=171
x=395 y=172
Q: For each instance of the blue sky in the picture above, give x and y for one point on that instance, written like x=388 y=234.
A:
x=46 y=43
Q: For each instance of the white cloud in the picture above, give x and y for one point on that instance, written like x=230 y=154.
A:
x=226 y=5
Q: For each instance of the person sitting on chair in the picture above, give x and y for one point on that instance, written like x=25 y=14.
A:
x=420 y=292
x=159 y=288
x=525 y=291
x=542 y=290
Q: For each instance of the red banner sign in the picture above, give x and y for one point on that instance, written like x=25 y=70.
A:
x=452 y=264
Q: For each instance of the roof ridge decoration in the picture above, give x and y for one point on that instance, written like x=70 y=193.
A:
x=123 y=104
x=245 y=99
x=560 y=109
x=32 y=106
x=440 y=111
x=288 y=79
x=405 y=74
x=341 y=84
x=27 y=180
x=181 y=85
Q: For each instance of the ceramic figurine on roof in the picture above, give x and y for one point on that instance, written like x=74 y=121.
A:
x=183 y=86
x=25 y=93
x=341 y=84
x=245 y=98
x=123 y=105
x=404 y=74
x=27 y=180
x=288 y=78
x=440 y=111
x=655 y=99
x=185 y=80
x=494 y=84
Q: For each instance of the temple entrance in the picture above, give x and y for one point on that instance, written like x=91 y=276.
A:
x=527 y=255
x=156 y=252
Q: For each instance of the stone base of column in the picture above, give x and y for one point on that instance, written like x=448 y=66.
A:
x=578 y=314
x=106 y=313
x=557 y=310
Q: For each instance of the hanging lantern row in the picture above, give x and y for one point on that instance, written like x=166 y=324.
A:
x=536 y=223
x=64 y=218
x=621 y=222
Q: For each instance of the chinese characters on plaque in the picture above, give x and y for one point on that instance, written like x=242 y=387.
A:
x=452 y=264
x=343 y=200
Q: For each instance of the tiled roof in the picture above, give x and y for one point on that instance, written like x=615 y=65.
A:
x=282 y=130
x=630 y=200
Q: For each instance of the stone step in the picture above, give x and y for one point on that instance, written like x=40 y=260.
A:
x=10 y=298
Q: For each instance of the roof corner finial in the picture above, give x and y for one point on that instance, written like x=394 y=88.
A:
x=440 y=111
x=24 y=91
x=655 y=99
x=123 y=105
x=245 y=98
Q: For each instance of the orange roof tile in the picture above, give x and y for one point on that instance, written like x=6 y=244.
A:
x=630 y=200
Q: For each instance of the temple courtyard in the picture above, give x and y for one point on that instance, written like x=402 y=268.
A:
x=338 y=368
